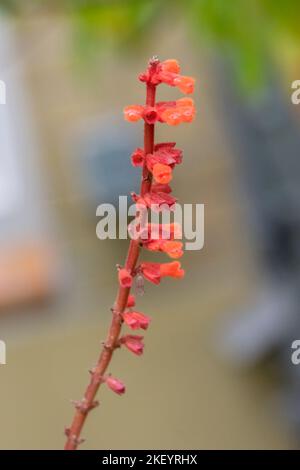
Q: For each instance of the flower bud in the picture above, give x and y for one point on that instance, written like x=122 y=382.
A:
x=115 y=385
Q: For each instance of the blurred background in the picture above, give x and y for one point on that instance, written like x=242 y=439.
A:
x=217 y=371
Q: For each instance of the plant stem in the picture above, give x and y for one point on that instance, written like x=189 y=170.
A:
x=88 y=403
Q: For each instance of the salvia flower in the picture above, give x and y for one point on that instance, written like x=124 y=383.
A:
x=125 y=278
x=170 y=65
x=133 y=113
x=170 y=112
x=185 y=84
x=172 y=269
x=165 y=155
x=133 y=343
x=162 y=173
x=136 y=320
x=150 y=114
x=130 y=301
x=172 y=248
x=115 y=385
x=153 y=272
x=153 y=231
x=159 y=199
x=168 y=72
x=161 y=188
x=183 y=111
x=155 y=200
x=137 y=157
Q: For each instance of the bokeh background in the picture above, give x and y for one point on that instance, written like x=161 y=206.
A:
x=217 y=371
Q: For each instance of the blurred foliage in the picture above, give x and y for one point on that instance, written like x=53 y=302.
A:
x=251 y=33
x=102 y=25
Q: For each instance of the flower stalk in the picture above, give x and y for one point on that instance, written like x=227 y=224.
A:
x=157 y=164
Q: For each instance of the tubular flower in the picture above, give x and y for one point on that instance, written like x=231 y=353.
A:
x=168 y=72
x=161 y=188
x=150 y=114
x=115 y=385
x=152 y=231
x=137 y=157
x=170 y=112
x=165 y=154
x=172 y=269
x=170 y=65
x=136 y=320
x=155 y=201
x=172 y=248
x=162 y=173
x=185 y=84
x=133 y=343
x=161 y=163
x=130 y=301
x=133 y=112
x=153 y=272
x=159 y=199
x=183 y=111
x=125 y=278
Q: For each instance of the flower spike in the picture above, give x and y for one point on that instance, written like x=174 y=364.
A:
x=157 y=162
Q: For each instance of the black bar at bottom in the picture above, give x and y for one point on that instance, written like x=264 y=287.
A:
x=136 y=458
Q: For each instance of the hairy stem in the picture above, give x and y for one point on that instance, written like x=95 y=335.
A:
x=87 y=403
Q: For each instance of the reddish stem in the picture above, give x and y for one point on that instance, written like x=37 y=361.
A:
x=88 y=403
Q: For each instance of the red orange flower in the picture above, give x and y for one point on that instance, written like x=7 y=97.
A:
x=185 y=84
x=183 y=111
x=125 y=278
x=155 y=200
x=150 y=114
x=136 y=320
x=172 y=269
x=170 y=247
x=170 y=112
x=160 y=188
x=164 y=155
x=170 y=65
x=133 y=112
x=153 y=231
x=130 y=301
x=133 y=343
x=153 y=272
x=137 y=157
x=169 y=72
x=162 y=173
